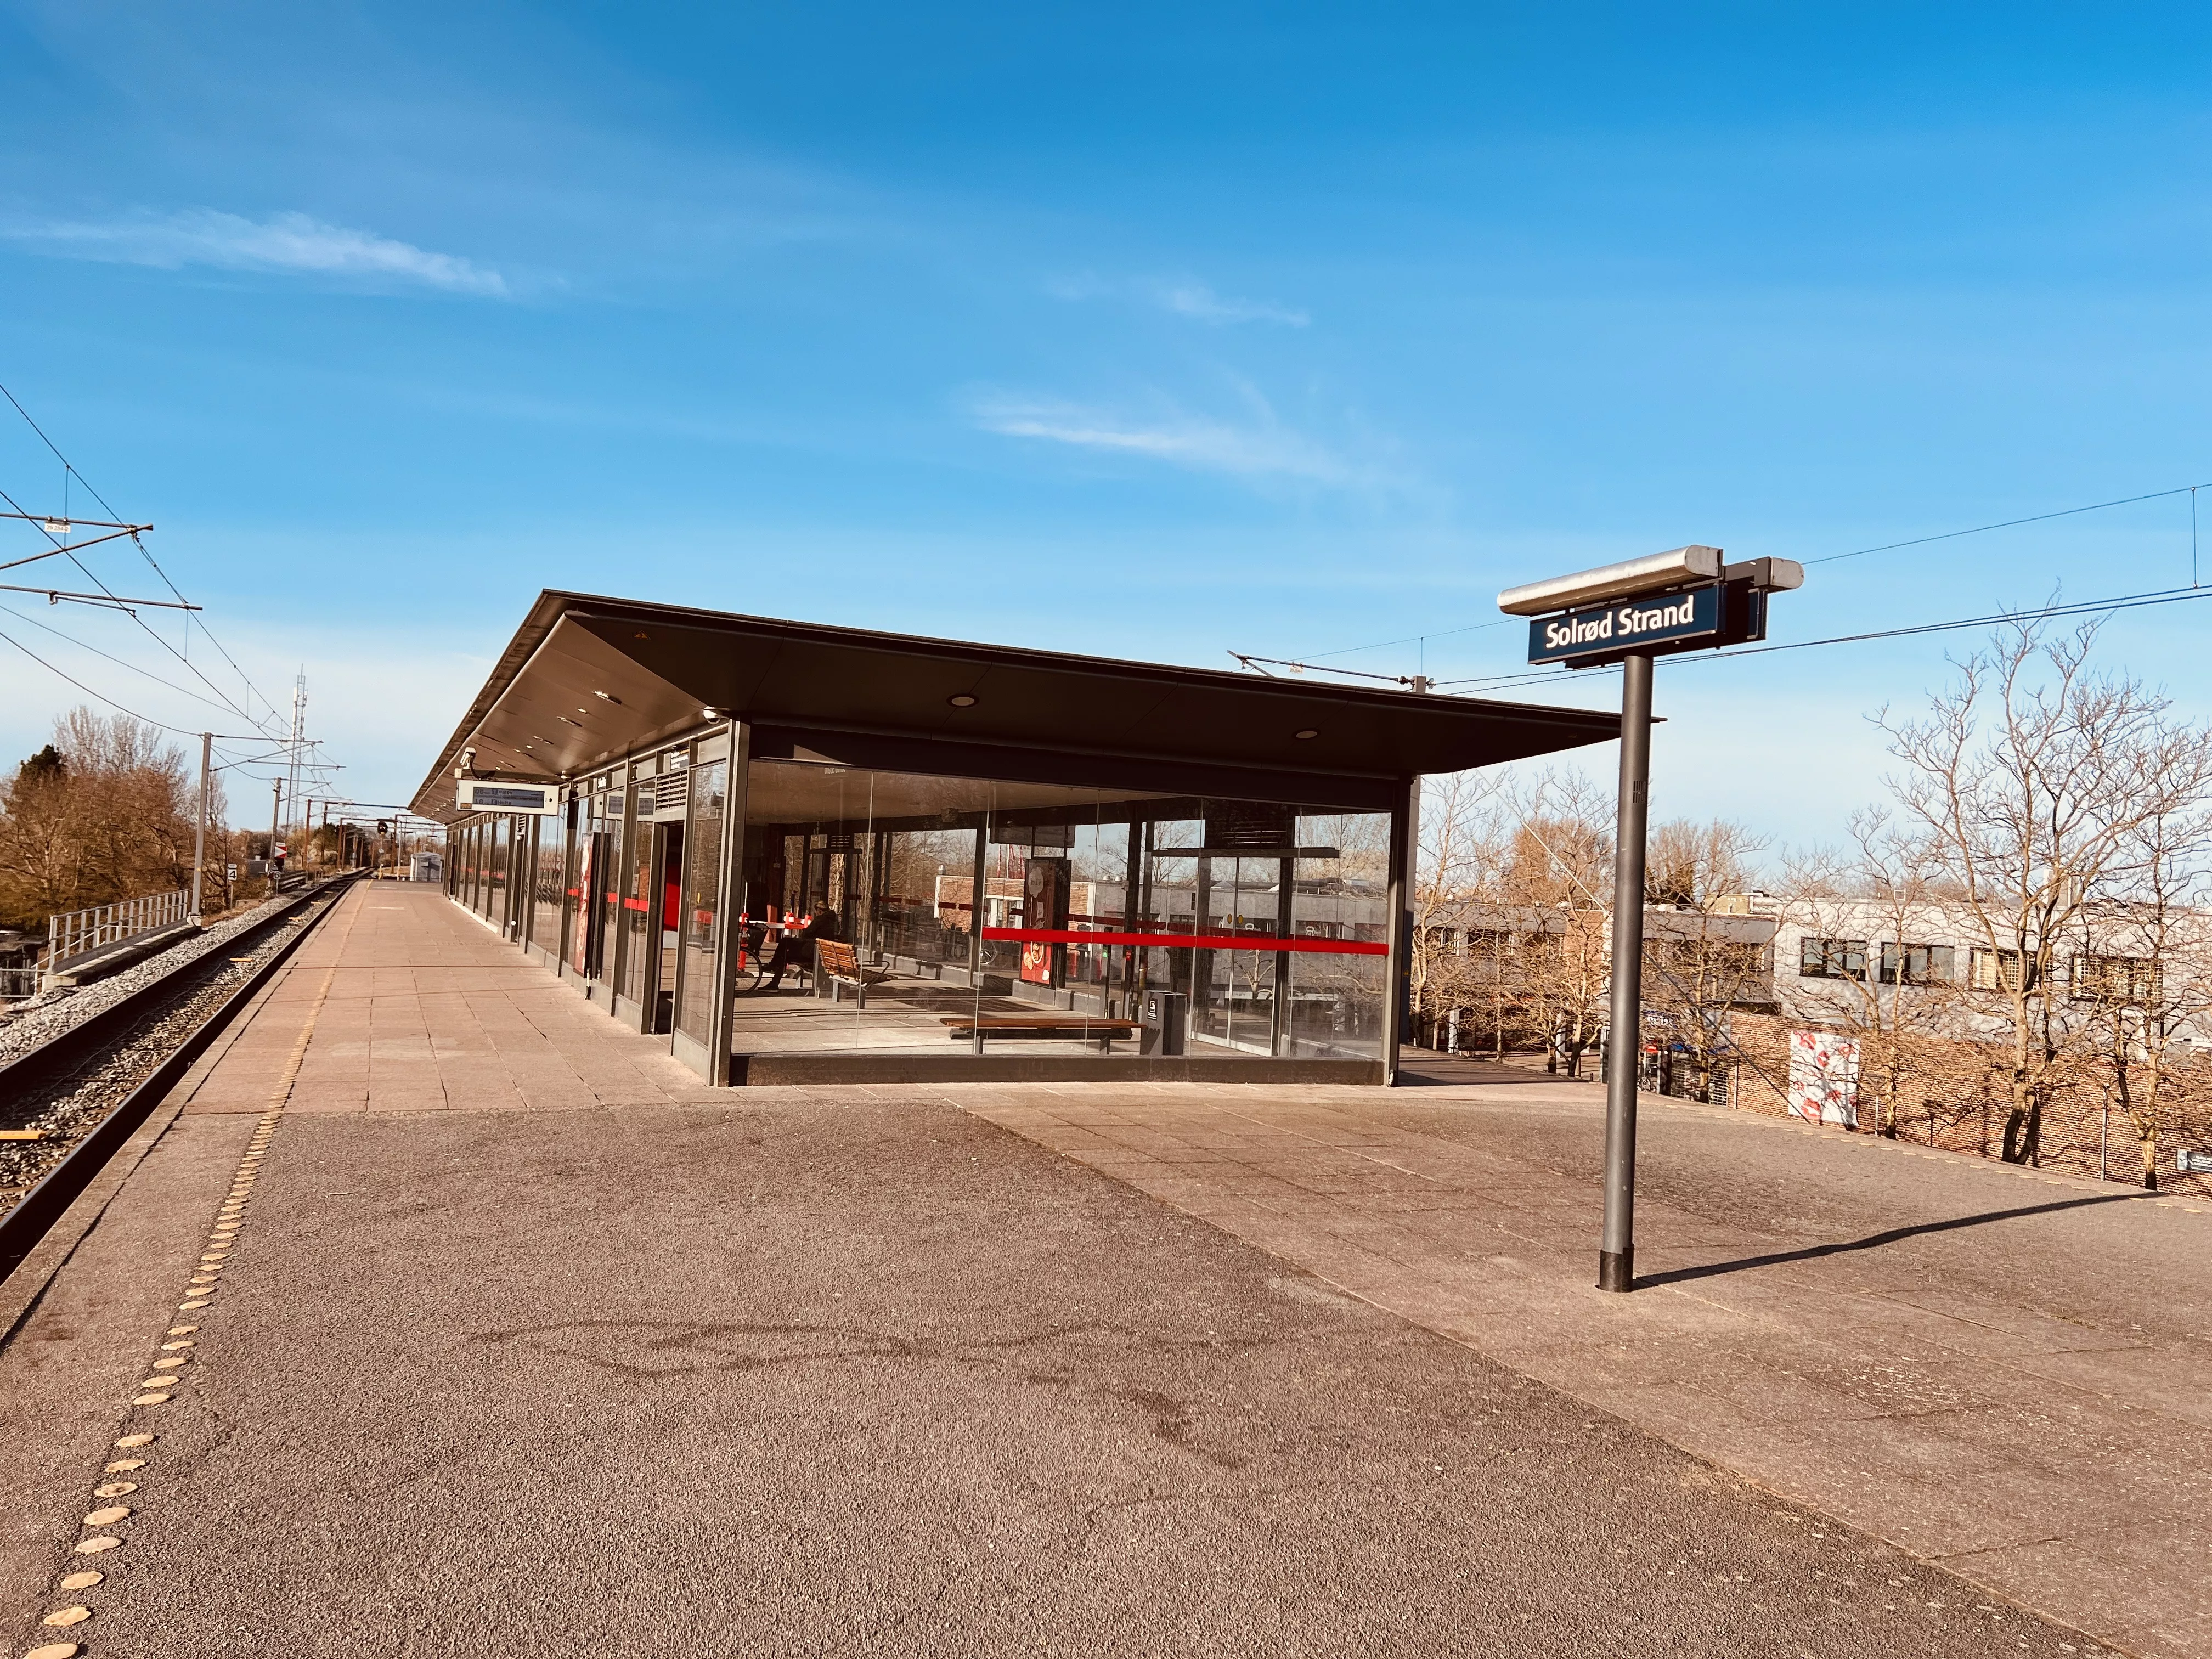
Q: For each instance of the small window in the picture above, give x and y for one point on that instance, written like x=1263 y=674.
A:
x=1832 y=959
x=1916 y=964
x=2114 y=979
x=1997 y=970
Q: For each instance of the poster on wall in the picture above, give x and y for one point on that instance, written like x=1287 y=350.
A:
x=1824 y=1077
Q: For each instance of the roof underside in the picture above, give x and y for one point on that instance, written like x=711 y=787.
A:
x=588 y=680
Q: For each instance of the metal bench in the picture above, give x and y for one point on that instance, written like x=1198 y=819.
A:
x=1083 y=1028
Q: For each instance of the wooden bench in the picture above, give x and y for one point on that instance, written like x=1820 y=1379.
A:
x=835 y=961
x=1084 y=1028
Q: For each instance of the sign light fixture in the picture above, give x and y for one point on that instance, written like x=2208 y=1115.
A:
x=1623 y=581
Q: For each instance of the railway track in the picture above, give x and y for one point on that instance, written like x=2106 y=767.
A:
x=69 y=1104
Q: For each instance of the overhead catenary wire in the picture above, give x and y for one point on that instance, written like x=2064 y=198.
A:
x=122 y=708
x=229 y=702
x=119 y=662
x=2189 y=490
x=69 y=472
x=2122 y=602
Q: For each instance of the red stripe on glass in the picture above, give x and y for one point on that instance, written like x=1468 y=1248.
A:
x=1343 y=947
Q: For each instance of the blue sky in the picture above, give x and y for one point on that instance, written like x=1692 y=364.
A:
x=1151 y=331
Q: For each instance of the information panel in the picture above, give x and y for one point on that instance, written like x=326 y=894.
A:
x=484 y=796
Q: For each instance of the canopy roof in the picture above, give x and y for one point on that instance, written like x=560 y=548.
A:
x=588 y=680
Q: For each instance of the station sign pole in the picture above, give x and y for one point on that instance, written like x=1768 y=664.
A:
x=1629 y=613
x=1616 y=1256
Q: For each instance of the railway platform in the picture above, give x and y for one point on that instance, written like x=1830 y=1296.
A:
x=493 y=1330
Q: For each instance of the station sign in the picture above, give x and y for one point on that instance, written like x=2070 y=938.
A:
x=483 y=795
x=1691 y=619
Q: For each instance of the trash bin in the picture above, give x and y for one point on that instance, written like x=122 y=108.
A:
x=1165 y=1017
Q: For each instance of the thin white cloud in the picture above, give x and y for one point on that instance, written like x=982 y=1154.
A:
x=1261 y=449
x=1197 y=300
x=1183 y=297
x=288 y=242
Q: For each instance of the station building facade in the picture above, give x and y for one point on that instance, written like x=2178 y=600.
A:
x=967 y=860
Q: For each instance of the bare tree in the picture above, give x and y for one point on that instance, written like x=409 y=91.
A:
x=1463 y=840
x=1555 y=896
x=2030 y=780
x=1870 y=964
x=2144 y=967
x=1701 y=962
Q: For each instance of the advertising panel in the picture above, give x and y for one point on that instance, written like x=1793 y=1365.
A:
x=1824 y=1077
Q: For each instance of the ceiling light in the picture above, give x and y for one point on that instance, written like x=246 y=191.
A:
x=1310 y=732
x=710 y=713
x=962 y=700
x=605 y=697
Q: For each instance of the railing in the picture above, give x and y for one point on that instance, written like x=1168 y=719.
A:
x=81 y=933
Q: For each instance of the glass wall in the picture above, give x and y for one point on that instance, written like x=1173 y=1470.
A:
x=546 y=891
x=703 y=895
x=639 y=930
x=498 y=834
x=614 y=821
x=997 y=914
x=589 y=868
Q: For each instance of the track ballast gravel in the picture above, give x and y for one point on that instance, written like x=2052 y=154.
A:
x=40 y=1020
x=66 y=1108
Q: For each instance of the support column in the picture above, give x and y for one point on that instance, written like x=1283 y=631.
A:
x=199 y=829
x=1398 y=985
x=728 y=936
x=977 y=909
x=1280 y=1034
x=1616 y=1261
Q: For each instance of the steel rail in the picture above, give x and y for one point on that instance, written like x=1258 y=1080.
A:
x=34 y=1214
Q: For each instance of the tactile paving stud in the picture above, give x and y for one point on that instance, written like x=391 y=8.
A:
x=116 y=1489
x=82 y=1580
x=97 y=1546
x=108 y=1517
x=132 y=1441
x=67 y=1617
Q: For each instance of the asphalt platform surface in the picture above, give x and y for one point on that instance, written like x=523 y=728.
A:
x=516 y=1341
x=829 y=1374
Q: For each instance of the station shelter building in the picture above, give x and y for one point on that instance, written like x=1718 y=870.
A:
x=971 y=861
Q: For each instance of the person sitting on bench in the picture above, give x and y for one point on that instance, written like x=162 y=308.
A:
x=797 y=950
